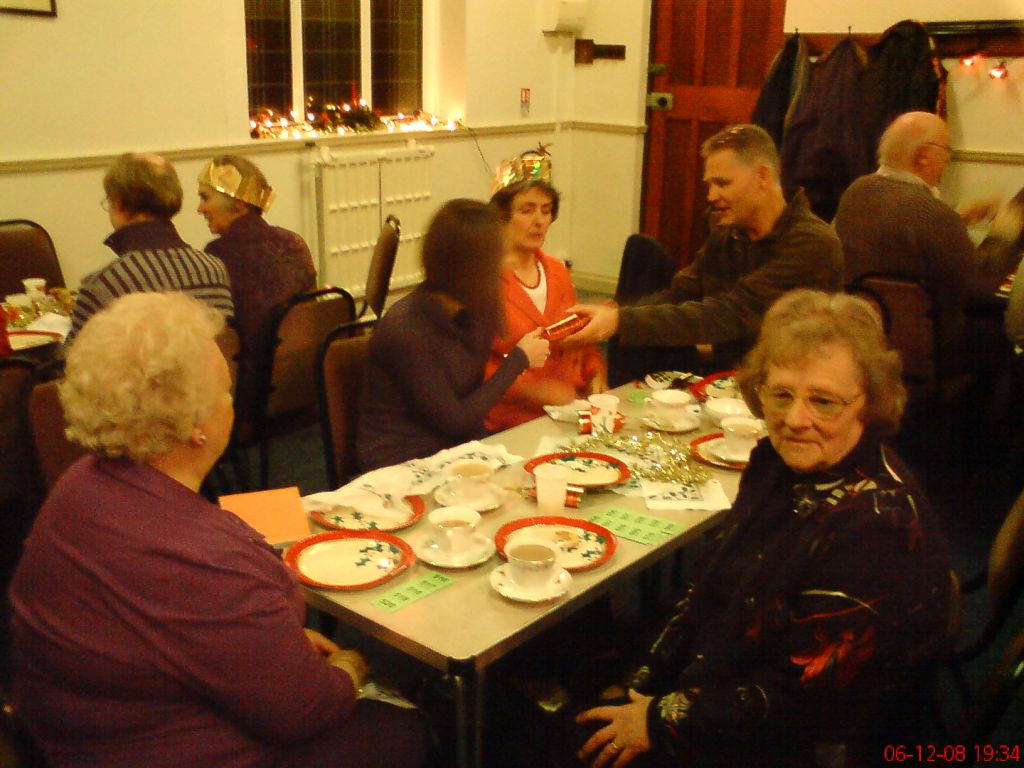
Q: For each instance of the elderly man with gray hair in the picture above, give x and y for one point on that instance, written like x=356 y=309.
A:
x=763 y=242
x=143 y=193
x=893 y=221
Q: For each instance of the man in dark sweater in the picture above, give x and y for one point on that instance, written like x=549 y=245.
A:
x=762 y=244
x=893 y=221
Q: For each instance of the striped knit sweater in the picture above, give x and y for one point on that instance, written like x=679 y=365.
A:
x=152 y=257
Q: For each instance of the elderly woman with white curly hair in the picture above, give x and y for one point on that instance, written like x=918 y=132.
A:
x=150 y=626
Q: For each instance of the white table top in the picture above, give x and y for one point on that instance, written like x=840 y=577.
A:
x=467 y=621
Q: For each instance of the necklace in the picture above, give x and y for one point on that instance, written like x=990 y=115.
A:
x=523 y=283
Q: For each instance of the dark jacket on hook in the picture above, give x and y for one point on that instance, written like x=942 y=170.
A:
x=825 y=146
x=902 y=75
x=784 y=88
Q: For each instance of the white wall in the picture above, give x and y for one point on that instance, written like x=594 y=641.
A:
x=868 y=16
x=108 y=76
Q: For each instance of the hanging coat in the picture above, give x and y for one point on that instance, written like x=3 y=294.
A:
x=783 y=89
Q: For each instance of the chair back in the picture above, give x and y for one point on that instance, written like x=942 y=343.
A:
x=16 y=460
x=231 y=347
x=340 y=377
x=994 y=697
x=909 y=315
x=26 y=250
x=382 y=263
x=302 y=325
x=54 y=452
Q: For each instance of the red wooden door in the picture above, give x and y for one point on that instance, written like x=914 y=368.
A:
x=715 y=55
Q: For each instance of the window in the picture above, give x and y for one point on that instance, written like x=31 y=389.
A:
x=346 y=50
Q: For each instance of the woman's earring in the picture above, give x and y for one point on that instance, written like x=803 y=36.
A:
x=201 y=438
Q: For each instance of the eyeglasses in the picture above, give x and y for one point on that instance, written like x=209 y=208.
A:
x=105 y=204
x=945 y=147
x=777 y=401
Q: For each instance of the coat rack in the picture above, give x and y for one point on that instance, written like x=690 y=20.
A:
x=952 y=39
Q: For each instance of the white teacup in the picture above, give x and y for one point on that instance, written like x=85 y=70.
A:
x=454 y=528
x=602 y=421
x=741 y=434
x=670 y=409
x=35 y=288
x=469 y=481
x=551 y=480
x=533 y=563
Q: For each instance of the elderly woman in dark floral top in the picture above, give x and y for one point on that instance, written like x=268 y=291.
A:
x=828 y=588
x=268 y=265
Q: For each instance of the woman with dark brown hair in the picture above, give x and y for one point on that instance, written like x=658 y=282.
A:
x=425 y=387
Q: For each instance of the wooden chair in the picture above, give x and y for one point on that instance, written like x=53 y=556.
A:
x=15 y=438
x=994 y=697
x=911 y=322
x=382 y=264
x=285 y=397
x=54 y=452
x=340 y=374
x=26 y=250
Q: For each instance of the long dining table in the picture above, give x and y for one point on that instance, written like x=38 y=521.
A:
x=463 y=628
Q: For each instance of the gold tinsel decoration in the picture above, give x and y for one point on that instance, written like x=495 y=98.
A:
x=663 y=459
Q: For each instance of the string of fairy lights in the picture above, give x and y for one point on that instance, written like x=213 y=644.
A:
x=335 y=119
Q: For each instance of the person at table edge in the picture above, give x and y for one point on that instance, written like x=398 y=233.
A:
x=826 y=593
x=424 y=387
x=537 y=290
x=151 y=627
x=143 y=194
x=762 y=243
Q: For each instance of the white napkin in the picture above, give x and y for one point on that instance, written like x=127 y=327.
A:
x=52 y=322
x=415 y=477
x=707 y=496
x=569 y=412
x=382 y=505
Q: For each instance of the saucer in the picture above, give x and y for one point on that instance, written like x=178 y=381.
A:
x=569 y=412
x=504 y=586
x=722 y=450
x=447 y=498
x=687 y=426
x=427 y=550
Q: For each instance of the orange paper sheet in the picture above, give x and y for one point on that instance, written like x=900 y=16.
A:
x=277 y=514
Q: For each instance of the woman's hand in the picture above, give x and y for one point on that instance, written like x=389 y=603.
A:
x=623 y=738
x=537 y=349
x=352 y=663
x=321 y=644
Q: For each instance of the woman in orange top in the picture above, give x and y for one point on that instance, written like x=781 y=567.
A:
x=537 y=291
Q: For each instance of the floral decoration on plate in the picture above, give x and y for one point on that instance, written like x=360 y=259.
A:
x=664 y=379
x=349 y=559
x=583 y=544
x=722 y=384
x=590 y=470
x=340 y=517
x=702 y=449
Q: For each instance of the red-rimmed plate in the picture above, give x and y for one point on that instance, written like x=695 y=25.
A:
x=590 y=470
x=349 y=559
x=343 y=517
x=701 y=449
x=27 y=339
x=584 y=544
x=721 y=384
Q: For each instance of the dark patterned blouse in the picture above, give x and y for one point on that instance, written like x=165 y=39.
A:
x=822 y=600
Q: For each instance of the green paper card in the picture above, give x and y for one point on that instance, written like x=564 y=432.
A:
x=638 y=395
x=636 y=526
x=413 y=591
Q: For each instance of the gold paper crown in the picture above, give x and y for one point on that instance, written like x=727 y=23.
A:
x=532 y=165
x=230 y=181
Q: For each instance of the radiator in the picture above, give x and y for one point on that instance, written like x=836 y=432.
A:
x=355 y=192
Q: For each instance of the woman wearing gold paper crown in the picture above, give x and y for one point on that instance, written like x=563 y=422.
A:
x=267 y=265
x=537 y=292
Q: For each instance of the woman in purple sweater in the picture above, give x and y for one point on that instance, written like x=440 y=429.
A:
x=150 y=626
x=425 y=387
